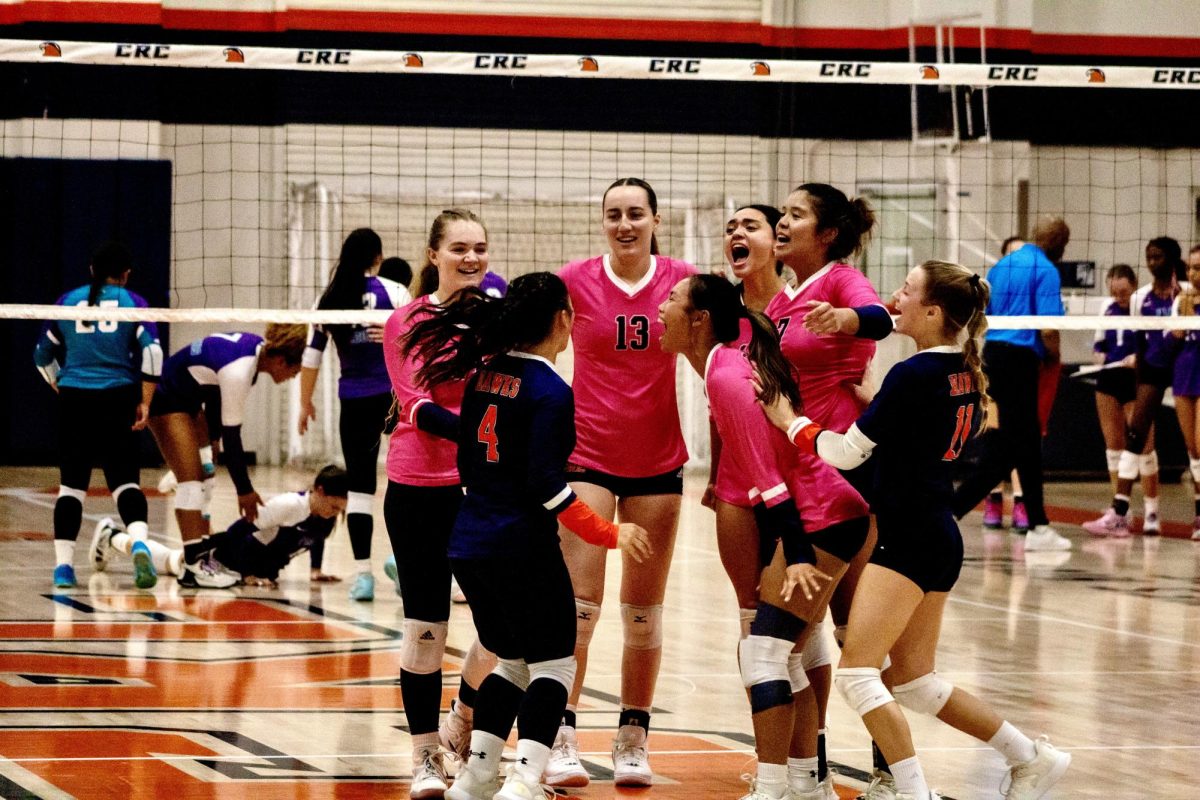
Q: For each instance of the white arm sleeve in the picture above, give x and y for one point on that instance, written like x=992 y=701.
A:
x=844 y=451
x=235 y=380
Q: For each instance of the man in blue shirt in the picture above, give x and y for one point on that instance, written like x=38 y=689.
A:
x=1025 y=282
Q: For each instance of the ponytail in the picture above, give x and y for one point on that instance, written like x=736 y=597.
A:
x=963 y=297
x=111 y=260
x=453 y=339
x=725 y=308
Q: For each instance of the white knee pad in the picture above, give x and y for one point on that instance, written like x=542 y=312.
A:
x=817 y=652
x=1148 y=463
x=189 y=496
x=207 y=487
x=67 y=491
x=560 y=669
x=586 y=616
x=861 y=688
x=926 y=695
x=1194 y=465
x=423 y=646
x=116 y=493
x=360 y=503
x=745 y=617
x=642 y=626
x=797 y=675
x=763 y=659
x=1113 y=459
x=1127 y=469
x=515 y=672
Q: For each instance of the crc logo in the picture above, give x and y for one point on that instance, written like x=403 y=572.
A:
x=1177 y=76
x=589 y=64
x=494 y=61
x=413 y=60
x=760 y=68
x=326 y=57
x=930 y=73
x=143 y=51
x=51 y=49
x=1012 y=73
x=831 y=69
x=690 y=66
x=234 y=55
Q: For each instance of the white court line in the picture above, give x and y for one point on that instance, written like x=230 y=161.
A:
x=602 y=754
x=1063 y=621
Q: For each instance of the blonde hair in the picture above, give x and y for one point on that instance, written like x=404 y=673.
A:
x=963 y=297
x=286 y=341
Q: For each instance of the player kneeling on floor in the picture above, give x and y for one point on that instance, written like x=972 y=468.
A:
x=256 y=551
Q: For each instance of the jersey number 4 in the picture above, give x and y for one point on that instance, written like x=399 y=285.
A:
x=962 y=430
x=633 y=333
x=487 y=434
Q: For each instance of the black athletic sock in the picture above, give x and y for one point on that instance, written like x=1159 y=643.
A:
x=467 y=694
x=1121 y=506
x=633 y=716
x=996 y=497
x=822 y=760
x=878 y=761
x=568 y=718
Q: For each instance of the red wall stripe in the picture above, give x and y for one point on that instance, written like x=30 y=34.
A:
x=590 y=28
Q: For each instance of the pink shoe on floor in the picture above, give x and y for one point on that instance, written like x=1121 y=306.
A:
x=1020 y=518
x=1110 y=524
x=993 y=513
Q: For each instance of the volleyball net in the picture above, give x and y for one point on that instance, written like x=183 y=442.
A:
x=235 y=172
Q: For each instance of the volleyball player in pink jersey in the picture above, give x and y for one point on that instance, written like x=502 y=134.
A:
x=422 y=501
x=628 y=460
x=801 y=503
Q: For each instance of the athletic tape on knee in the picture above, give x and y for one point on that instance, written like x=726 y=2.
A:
x=514 y=671
x=763 y=661
x=586 y=616
x=360 y=503
x=423 y=646
x=1113 y=459
x=642 y=626
x=817 y=652
x=1148 y=463
x=1127 y=470
x=124 y=487
x=861 y=688
x=927 y=694
x=559 y=669
x=207 y=487
x=67 y=491
x=1194 y=465
x=745 y=617
x=189 y=496
x=797 y=675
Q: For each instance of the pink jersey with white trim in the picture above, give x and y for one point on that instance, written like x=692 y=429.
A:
x=763 y=466
x=827 y=367
x=626 y=417
x=417 y=458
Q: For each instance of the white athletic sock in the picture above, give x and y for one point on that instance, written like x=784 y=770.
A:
x=161 y=555
x=363 y=565
x=532 y=758
x=1150 y=504
x=121 y=542
x=772 y=779
x=802 y=774
x=174 y=563
x=424 y=741
x=138 y=530
x=1015 y=746
x=486 y=749
x=64 y=551
x=910 y=778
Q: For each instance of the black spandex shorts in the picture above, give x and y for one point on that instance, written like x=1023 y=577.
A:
x=666 y=483
x=927 y=549
x=1159 y=377
x=1118 y=382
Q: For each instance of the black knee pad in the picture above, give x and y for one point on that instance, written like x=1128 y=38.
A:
x=131 y=505
x=1135 y=440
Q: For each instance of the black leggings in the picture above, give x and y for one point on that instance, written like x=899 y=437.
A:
x=95 y=427
x=360 y=425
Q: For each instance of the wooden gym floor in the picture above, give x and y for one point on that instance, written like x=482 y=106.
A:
x=110 y=692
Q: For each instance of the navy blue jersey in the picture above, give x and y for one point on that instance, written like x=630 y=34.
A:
x=516 y=431
x=99 y=355
x=284 y=529
x=926 y=410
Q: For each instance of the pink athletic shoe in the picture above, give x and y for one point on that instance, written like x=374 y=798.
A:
x=1020 y=517
x=1110 y=524
x=993 y=513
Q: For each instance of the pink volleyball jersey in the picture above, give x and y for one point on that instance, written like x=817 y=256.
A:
x=417 y=458
x=761 y=464
x=827 y=367
x=626 y=418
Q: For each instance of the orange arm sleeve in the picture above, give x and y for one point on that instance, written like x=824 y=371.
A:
x=585 y=523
